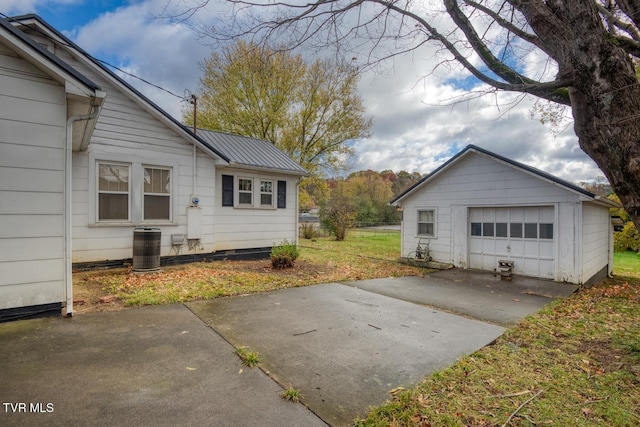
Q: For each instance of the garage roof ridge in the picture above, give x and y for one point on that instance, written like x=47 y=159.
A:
x=514 y=163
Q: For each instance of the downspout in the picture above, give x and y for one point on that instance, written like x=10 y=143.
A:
x=68 y=213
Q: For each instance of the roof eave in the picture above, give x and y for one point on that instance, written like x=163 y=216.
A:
x=237 y=165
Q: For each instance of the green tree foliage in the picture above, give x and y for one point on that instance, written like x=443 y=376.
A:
x=309 y=110
x=628 y=239
x=338 y=213
x=371 y=195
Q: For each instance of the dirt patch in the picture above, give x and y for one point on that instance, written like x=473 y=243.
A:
x=91 y=295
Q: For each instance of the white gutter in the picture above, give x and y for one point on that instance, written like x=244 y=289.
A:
x=68 y=213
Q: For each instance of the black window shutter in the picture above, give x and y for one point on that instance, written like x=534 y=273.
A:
x=227 y=190
x=282 y=194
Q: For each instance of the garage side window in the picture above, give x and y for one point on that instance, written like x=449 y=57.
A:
x=426 y=223
x=157 y=194
x=113 y=192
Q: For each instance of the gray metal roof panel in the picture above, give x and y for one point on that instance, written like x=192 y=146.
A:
x=251 y=152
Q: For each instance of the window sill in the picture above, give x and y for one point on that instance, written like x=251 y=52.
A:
x=264 y=208
x=131 y=224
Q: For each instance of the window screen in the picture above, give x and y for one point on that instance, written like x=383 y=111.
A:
x=113 y=192
x=157 y=194
x=426 y=223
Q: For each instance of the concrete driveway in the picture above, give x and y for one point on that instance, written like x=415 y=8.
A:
x=150 y=366
x=343 y=346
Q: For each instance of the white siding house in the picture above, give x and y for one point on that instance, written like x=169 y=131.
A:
x=479 y=208
x=85 y=159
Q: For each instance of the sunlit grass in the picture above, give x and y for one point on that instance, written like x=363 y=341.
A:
x=364 y=255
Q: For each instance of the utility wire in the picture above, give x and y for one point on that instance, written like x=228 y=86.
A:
x=102 y=61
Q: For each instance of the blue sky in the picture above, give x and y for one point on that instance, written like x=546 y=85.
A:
x=417 y=126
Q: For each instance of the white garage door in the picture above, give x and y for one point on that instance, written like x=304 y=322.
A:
x=524 y=235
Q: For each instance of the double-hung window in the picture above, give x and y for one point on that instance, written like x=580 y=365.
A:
x=245 y=191
x=266 y=193
x=157 y=194
x=426 y=222
x=114 y=192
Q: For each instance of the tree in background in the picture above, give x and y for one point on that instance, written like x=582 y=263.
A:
x=309 y=110
x=371 y=196
x=338 y=213
x=576 y=53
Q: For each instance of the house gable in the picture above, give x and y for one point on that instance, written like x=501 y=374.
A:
x=470 y=150
x=478 y=208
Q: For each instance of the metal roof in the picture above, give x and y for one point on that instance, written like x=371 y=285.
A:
x=251 y=152
x=474 y=148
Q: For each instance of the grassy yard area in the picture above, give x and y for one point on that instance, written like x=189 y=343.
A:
x=575 y=363
x=364 y=255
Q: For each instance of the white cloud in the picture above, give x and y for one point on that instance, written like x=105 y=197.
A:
x=415 y=126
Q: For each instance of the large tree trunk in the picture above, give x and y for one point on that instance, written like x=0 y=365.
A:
x=605 y=95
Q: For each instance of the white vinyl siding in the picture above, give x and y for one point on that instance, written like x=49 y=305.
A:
x=258 y=227
x=125 y=133
x=32 y=142
x=595 y=237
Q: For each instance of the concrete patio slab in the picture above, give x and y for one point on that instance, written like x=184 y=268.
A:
x=152 y=366
x=474 y=294
x=344 y=348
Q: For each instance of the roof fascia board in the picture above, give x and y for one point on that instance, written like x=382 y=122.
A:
x=272 y=171
x=500 y=159
x=144 y=102
x=535 y=172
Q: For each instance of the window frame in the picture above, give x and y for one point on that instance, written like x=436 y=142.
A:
x=169 y=195
x=264 y=193
x=434 y=212
x=240 y=192
x=136 y=193
x=98 y=192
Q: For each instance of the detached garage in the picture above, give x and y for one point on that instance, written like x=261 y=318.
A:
x=480 y=208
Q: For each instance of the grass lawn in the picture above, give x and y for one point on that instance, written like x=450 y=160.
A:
x=364 y=255
x=575 y=363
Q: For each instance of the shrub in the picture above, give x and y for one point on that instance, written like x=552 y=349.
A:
x=308 y=230
x=627 y=239
x=284 y=255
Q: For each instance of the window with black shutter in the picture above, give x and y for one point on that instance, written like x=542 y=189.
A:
x=282 y=194
x=227 y=190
